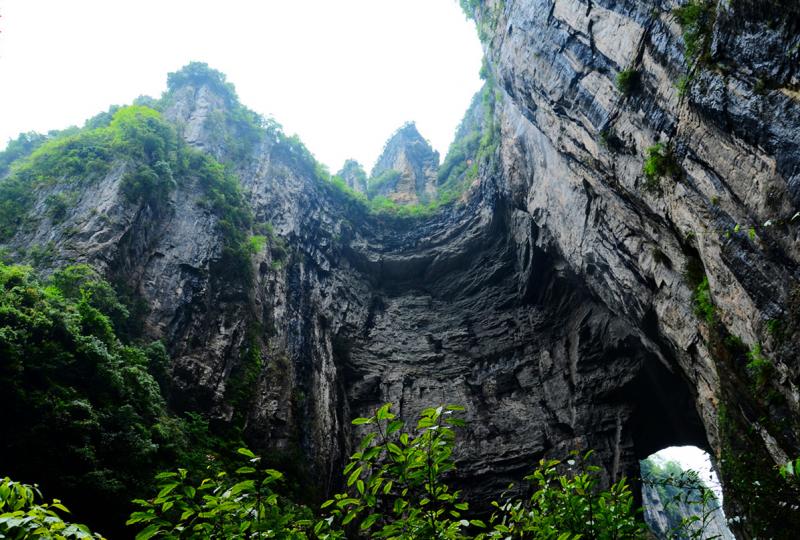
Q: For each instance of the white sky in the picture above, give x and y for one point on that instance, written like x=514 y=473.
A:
x=691 y=457
x=341 y=74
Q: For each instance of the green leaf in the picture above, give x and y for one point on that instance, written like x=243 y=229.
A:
x=394 y=426
x=383 y=412
x=148 y=532
x=246 y=452
x=369 y=521
x=353 y=476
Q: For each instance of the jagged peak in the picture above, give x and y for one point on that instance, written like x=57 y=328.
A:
x=198 y=74
x=354 y=175
x=405 y=137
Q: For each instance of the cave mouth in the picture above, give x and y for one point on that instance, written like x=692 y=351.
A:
x=682 y=495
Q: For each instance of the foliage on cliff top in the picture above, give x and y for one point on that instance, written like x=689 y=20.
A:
x=199 y=73
x=136 y=136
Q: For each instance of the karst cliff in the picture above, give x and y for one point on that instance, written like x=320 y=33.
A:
x=616 y=267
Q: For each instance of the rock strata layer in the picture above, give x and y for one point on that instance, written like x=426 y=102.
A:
x=557 y=301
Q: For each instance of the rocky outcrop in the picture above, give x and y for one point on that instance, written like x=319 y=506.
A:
x=406 y=170
x=354 y=176
x=666 y=517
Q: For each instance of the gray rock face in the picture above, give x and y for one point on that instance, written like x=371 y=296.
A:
x=731 y=209
x=354 y=176
x=552 y=303
x=664 y=517
x=416 y=163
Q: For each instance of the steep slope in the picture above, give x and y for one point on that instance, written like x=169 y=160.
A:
x=574 y=141
x=406 y=169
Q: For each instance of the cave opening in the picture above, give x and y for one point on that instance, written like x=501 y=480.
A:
x=682 y=495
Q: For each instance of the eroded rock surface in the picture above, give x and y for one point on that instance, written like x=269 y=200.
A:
x=553 y=302
x=415 y=163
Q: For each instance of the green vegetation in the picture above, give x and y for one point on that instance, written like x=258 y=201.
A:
x=396 y=488
x=198 y=73
x=19 y=148
x=659 y=162
x=759 y=367
x=385 y=179
x=59 y=203
x=486 y=20
x=136 y=136
x=22 y=517
x=83 y=413
x=153 y=160
x=475 y=143
x=469 y=7
x=753 y=479
x=256 y=243
x=790 y=470
x=704 y=304
x=241 y=386
x=697 y=20
x=681 y=492
x=395 y=480
x=243 y=504
x=627 y=81
x=683 y=85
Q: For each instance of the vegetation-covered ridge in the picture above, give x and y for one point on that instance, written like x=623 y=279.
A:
x=153 y=154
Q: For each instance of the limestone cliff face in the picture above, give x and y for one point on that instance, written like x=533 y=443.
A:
x=406 y=170
x=573 y=146
x=664 y=517
x=354 y=176
x=551 y=301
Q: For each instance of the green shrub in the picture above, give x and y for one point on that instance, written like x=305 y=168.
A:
x=759 y=367
x=198 y=73
x=19 y=148
x=243 y=504
x=22 y=517
x=697 y=20
x=395 y=480
x=83 y=413
x=659 y=162
x=396 y=488
x=386 y=179
x=256 y=243
x=58 y=204
x=703 y=303
x=627 y=81
x=681 y=492
x=568 y=504
x=135 y=135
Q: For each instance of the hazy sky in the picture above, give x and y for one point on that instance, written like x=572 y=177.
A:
x=341 y=74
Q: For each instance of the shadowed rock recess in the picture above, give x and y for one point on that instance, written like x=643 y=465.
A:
x=556 y=299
